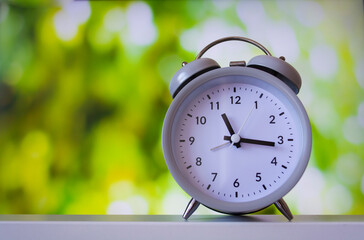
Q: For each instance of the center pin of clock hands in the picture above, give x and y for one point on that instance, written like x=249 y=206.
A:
x=235 y=138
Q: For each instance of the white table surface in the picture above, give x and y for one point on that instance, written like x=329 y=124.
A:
x=206 y=227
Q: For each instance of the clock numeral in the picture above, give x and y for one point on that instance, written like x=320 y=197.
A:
x=198 y=161
x=215 y=175
x=258 y=177
x=256 y=104
x=192 y=140
x=237 y=100
x=272 y=117
x=236 y=183
x=274 y=161
x=201 y=120
x=280 y=140
x=217 y=105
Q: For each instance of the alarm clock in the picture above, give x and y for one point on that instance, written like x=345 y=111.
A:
x=236 y=139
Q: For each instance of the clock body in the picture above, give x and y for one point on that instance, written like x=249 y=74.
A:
x=236 y=139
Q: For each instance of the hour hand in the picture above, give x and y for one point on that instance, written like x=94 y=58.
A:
x=253 y=141
x=227 y=123
x=229 y=127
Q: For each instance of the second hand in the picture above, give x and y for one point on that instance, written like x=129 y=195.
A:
x=220 y=146
x=237 y=135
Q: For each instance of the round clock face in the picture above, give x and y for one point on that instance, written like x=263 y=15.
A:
x=238 y=140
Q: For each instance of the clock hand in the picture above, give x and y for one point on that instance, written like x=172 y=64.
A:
x=227 y=123
x=220 y=146
x=253 y=141
x=246 y=119
x=229 y=127
x=259 y=142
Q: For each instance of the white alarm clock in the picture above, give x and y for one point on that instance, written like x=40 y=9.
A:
x=236 y=139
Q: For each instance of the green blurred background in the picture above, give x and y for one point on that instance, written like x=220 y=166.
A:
x=84 y=91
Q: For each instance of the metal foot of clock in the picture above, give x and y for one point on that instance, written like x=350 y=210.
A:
x=191 y=208
x=237 y=139
x=281 y=205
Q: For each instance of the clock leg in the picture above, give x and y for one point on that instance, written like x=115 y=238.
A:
x=284 y=209
x=191 y=208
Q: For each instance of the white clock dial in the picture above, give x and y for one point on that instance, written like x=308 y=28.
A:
x=236 y=141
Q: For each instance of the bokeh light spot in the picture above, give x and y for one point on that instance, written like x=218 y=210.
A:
x=253 y=16
x=250 y=13
x=338 y=200
x=352 y=131
x=67 y=20
x=66 y=29
x=359 y=72
x=174 y=202
x=324 y=61
x=118 y=190
x=138 y=204
x=321 y=110
x=132 y=205
x=361 y=114
x=349 y=168
x=222 y=5
x=309 y=13
x=285 y=43
x=141 y=29
x=114 y=20
x=119 y=207
x=308 y=191
x=78 y=11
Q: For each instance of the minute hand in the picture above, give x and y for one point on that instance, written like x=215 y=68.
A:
x=253 y=141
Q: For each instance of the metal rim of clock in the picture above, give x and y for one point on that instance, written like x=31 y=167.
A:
x=277 y=87
x=233 y=38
